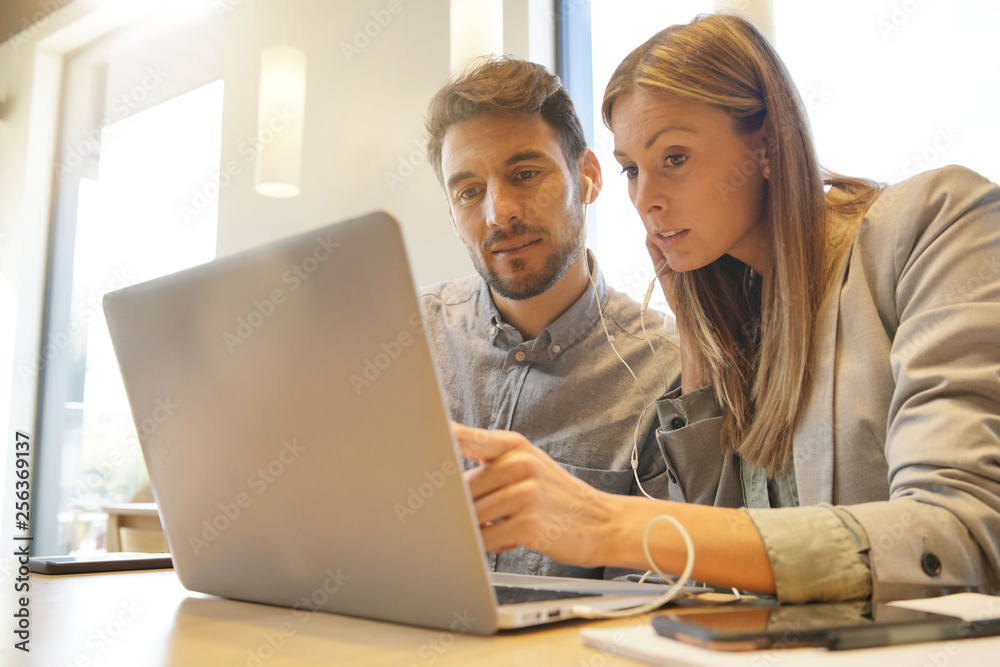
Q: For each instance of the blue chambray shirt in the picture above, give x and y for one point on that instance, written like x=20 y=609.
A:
x=566 y=391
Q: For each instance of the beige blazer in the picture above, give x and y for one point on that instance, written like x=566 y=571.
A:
x=901 y=424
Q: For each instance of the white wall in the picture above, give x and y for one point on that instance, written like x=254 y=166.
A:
x=370 y=74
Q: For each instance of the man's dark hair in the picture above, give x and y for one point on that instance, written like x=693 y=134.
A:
x=510 y=87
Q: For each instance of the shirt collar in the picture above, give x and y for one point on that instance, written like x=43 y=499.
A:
x=569 y=328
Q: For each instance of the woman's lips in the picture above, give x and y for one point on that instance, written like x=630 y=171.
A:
x=669 y=239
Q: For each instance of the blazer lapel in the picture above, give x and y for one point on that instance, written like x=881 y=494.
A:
x=814 y=440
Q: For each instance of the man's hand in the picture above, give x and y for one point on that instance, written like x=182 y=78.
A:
x=524 y=498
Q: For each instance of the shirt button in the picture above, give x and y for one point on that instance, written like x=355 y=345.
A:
x=519 y=355
x=556 y=349
x=493 y=331
x=931 y=564
x=676 y=423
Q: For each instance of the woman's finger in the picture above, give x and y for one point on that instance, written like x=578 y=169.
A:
x=483 y=445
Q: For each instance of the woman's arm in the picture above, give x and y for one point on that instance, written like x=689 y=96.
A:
x=523 y=497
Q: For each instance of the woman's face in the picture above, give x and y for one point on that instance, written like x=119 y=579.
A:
x=697 y=184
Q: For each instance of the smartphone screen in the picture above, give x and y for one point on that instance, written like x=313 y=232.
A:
x=832 y=625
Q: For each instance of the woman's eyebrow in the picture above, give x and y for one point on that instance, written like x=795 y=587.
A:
x=664 y=130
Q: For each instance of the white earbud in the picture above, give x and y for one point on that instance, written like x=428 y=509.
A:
x=590 y=189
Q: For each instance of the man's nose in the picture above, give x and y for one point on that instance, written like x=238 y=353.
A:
x=503 y=206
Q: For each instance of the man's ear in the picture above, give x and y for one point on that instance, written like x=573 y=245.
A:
x=590 y=167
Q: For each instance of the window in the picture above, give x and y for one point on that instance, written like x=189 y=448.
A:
x=892 y=89
x=136 y=198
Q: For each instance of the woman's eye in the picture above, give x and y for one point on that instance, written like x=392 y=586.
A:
x=630 y=171
x=676 y=160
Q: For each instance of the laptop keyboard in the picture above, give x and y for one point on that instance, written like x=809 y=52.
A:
x=515 y=595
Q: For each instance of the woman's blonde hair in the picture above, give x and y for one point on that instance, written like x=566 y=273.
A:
x=752 y=334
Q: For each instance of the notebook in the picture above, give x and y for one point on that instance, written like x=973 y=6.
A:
x=298 y=444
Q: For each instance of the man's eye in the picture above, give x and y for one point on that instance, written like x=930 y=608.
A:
x=468 y=193
x=525 y=175
x=676 y=160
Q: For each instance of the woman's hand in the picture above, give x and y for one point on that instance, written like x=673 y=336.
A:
x=524 y=498
x=664 y=273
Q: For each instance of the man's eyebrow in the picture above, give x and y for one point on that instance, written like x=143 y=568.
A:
x=513 y=159
x=524 y=155
x=458 y=178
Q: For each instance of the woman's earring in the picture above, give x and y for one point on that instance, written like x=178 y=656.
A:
x=767 y=170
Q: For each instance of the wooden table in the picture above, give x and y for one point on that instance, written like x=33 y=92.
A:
x=147 y=619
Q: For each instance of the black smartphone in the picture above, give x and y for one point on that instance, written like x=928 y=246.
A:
x=107 y=562
x=844 y=625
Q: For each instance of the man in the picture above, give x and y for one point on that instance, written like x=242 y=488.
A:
x=521 y=346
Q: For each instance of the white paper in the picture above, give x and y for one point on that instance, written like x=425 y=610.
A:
x=643 y=643
x=969 y=607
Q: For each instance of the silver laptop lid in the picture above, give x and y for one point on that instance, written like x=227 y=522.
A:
x=307 y=459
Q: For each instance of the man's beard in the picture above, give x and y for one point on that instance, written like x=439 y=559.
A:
x=521 y=285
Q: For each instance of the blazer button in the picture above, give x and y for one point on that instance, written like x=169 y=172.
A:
x=676 y=423
x=931 y=564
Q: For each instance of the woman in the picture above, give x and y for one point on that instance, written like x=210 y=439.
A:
x=840 y=351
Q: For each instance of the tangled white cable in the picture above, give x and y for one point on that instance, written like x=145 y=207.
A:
x=584 y=611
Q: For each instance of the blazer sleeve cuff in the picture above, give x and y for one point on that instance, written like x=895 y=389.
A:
x=817 y=553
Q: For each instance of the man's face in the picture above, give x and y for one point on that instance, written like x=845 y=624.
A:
x=515 y=202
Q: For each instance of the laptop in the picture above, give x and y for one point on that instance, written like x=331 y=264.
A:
x=298 y=444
